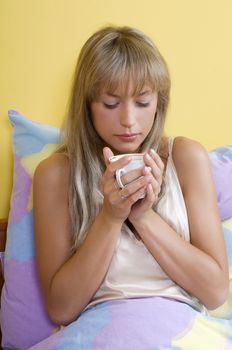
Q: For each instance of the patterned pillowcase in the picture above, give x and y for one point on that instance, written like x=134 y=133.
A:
x=221 y=161
x=225 y=311
x=23 y=318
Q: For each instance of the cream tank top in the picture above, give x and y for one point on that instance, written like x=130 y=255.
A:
x=133 y=271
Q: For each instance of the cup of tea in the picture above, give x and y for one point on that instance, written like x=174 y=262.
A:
x=135 y=163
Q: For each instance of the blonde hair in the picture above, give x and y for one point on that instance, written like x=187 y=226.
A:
x=112 y=57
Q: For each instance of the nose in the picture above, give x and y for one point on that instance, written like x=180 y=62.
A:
x=127 y=116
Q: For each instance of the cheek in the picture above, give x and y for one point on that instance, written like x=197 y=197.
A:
x=96 y=115
x=153 y=113
x=101 y=117
x=149 y=119
x=97 y=123
x=101 y=122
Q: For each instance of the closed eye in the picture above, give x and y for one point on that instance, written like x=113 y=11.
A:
x=111 y=106
x=143 y=104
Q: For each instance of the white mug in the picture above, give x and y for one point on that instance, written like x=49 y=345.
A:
x=135 y=163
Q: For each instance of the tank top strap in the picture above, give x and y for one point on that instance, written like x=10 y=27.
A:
x=170 y=146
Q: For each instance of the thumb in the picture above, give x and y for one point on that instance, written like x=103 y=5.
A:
x=107 y=153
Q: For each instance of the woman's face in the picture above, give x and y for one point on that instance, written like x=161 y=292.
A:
x=122 y=120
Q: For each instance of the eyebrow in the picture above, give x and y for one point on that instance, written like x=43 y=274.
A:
x=140 y=94
x=144 y=92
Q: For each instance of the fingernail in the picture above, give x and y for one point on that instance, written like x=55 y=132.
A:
x=148 y=156
x=147 y=169
x=153 y=152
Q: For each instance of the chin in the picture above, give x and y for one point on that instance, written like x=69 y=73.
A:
x=126 y=149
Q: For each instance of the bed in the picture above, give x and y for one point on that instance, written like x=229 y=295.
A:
x=141 y=323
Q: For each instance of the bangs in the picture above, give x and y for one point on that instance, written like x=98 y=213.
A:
x=128 y=82
x=127 y=69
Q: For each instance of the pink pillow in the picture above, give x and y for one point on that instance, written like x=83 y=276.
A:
x=24 y=321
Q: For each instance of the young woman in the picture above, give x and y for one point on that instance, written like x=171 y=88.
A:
x=96 y=241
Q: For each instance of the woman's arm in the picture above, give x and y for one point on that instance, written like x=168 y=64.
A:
x=200 y=267
x=68 y=281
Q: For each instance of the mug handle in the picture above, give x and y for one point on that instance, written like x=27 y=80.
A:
x=119 y=173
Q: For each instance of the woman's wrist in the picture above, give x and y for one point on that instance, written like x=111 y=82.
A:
x=141 y=223
x=110 y=220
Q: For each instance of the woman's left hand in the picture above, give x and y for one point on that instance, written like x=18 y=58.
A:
x=153 y=162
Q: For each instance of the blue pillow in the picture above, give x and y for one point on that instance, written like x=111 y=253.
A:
x=24 y=321
x=221 y=162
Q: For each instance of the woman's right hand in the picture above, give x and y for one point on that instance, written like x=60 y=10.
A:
x=118 y=202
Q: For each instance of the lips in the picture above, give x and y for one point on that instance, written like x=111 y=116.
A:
x=127 y=137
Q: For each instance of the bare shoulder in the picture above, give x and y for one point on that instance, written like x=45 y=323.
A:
x=185 y=149
x=53 y=170
x=50 y=194
x=190 y=158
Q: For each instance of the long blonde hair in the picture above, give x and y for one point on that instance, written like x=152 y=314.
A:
x=112 y=57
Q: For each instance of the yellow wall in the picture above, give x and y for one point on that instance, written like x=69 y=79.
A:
x=40 y=40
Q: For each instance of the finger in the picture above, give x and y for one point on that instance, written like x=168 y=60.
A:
x=111 y=167
x=133 y=175
x=114 y=165
x=107 y=153
x=149 y=161
x=156 y=158
x=150 y=195
x=133 y=198
x=156 y=186
x=156 y=164
x=136 y=185
x=112 y=191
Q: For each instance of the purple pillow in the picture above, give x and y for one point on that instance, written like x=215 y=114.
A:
x=24 y=321
x=221 y=161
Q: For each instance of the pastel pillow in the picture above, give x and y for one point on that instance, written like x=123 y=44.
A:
x=24 y=320
x=221 y=161
x=225 y=311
